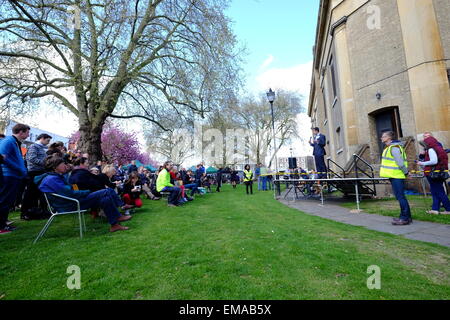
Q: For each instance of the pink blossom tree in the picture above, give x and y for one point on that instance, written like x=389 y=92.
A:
x=119 y=146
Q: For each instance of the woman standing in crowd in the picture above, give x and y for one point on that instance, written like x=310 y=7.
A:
x=436 y=159
x=248 y=178
x=56 y=148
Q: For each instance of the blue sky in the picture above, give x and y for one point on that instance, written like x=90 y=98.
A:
x=280 y=33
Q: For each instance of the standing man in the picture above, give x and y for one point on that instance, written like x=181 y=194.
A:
x=36 y=155
x=219 y=179
x=14 y=172
x=318 y=142
x=2 y=136
x=263 y=176
x=395 y=167
x=258 y=176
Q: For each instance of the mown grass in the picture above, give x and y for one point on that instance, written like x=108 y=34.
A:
x=221 y=246
x=390 y=207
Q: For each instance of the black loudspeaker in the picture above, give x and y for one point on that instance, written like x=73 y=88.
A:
x=292 y=163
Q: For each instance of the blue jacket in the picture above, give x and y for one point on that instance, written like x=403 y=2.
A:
x=319 y=147
x=199 y=173
x=85 y=180
x=13 y=163
x=36 y=155
x=56 y=183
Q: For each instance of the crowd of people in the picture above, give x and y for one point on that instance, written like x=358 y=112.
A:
x=103 y=188
x=112 y=191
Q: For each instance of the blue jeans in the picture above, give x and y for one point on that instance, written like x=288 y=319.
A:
x=398 y=186
x=106 y=199
x=118 y=202
x=193 y=187
x=439 y=195
x=9 y=186
x=264 y=183
x=175 y=194
x=260 y=183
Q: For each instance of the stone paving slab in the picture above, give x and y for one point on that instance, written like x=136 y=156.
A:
x=428 y=238
x=418 y=230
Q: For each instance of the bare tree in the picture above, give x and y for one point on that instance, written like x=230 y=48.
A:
x=175 y=144
x=117 y=58
x=255 y=115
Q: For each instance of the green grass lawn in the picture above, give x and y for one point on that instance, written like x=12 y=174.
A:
x=221 y=246
x=390 y=207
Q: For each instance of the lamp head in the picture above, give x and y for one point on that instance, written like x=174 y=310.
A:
x=271 y=95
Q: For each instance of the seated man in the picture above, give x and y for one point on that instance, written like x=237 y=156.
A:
x=163 y=185
x=177 y=181
x=189 y=182
x=54 y=182
x=144 y=178
x=83 y=178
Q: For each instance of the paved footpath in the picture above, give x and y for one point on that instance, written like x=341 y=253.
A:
x=418 y=230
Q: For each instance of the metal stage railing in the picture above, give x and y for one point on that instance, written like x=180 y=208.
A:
x=356 y=181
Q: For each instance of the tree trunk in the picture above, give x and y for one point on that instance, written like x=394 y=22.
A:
x=91 y=141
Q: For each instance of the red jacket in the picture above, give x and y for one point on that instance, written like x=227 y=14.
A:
x=441 y=154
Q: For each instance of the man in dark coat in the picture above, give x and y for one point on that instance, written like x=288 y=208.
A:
x=318 y=142
x=219 y=179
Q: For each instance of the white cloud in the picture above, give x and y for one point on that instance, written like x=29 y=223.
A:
x=51 y=119
x=295 y=78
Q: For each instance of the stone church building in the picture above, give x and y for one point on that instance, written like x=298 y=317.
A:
x=380 y=65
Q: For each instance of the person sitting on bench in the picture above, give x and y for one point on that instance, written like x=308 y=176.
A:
x=163 y=185
x=54 y=182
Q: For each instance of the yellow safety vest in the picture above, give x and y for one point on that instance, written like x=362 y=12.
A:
x=389 y=168
x=248 y=175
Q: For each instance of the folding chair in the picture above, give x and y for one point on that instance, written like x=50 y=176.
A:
x=55 y=213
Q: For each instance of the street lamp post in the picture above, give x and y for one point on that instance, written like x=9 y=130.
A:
x=271 y=98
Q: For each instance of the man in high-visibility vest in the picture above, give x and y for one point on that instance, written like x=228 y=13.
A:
x=395 y=167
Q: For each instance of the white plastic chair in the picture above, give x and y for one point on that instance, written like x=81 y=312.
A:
x=55 y=213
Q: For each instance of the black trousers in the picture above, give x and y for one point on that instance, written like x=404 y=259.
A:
x=32 y=197
x=249 y=184
x=320 y=166
x=9 y=187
